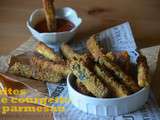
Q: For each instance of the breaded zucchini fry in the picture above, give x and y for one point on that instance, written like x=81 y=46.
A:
x=82 y=89
x=50 y=14
x=23 y=70
x=94 y=48
x=47 y=52
x=37 y=67
x=126 y=79
x=35 y=73
x=61 y=67
x=68 y=52
x=143 y=71
x=119 y=90
x=110 y=56
x=123 y=60
x=96 y=52
x=88 y=79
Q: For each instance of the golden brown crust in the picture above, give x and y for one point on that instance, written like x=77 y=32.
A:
x=88 y=79
x=111 y=56
x=35 y=73
x=68 y=52
x=126 y=79
x=119 y=90
x=23 y=70
x=47 y=52
x=143 y=71
x=121 y=58
x=82 y=89
x=50 y=14
x=58 y=67
x=37 y=67
x=95 y=50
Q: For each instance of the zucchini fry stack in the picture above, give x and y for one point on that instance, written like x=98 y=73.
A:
x=79 y=67
x=105 y=74
x=96 y=52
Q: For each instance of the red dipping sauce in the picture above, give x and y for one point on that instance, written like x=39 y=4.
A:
x=62 y=25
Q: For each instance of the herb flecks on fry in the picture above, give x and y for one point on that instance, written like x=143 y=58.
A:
x=88 y=79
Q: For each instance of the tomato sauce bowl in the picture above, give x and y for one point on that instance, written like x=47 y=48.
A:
x=63 y=34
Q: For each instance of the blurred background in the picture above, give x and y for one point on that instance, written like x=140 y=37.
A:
x=96 y=14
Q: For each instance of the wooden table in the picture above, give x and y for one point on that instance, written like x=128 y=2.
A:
x=96 y=14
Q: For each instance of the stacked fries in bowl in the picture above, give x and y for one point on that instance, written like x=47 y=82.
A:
x=106 y=83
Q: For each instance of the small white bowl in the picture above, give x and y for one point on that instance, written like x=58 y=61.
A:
x=106 y=106
x=54 y=37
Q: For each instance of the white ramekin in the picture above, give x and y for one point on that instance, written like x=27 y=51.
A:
x=106 y=106
x=54 y=37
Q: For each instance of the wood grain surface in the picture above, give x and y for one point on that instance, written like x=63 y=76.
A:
x=96 y=14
